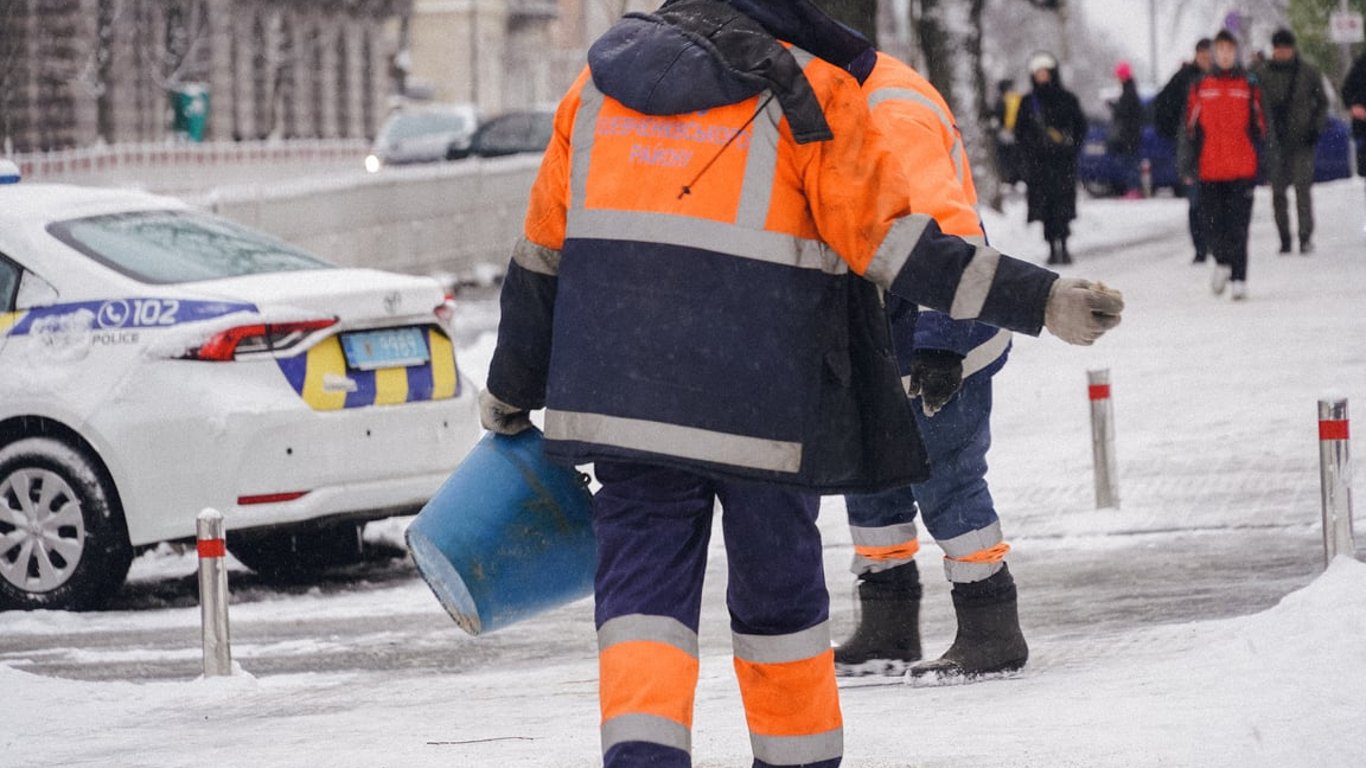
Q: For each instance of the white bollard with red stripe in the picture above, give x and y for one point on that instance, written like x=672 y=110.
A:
x=213 y=592
x=1103 y=439
x=1335 y=476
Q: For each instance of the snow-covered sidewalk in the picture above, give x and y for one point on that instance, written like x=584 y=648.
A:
x=1217 y=446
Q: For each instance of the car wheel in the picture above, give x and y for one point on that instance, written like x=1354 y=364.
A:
x=298 y=553
x=63 y=541
x=1096 y=188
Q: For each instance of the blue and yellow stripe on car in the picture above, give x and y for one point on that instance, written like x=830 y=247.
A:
x=8 y=320
x=321 y=377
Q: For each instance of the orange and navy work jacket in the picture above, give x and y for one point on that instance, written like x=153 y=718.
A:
x=917 y=121
x=687 y=291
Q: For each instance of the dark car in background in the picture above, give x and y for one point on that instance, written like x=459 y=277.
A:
x=1102 y=171
x=513 y=133
x=424 y=134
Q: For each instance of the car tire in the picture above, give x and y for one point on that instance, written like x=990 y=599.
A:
x=296 y=554
x=1097 y=188
x=63 y=540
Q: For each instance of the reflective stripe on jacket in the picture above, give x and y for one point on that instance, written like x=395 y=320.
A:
x=678 y=297
x=917 y=121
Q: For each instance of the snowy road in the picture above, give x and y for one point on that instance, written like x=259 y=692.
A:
x=379 y=617
x=1161 y=632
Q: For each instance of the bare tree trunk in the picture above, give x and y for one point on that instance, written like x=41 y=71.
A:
x=980 y=137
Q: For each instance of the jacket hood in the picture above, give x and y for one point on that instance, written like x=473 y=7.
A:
x=692 y=55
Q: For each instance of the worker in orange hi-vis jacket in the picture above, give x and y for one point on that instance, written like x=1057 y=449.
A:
x=948 y=365
x=695 y=305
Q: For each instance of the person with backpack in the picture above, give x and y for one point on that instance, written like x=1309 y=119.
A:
x=1049 y=131
x=1169 y=109
x=1297 y=109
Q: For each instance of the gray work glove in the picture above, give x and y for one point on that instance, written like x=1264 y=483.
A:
x=498 y=416
x=1079 y=311
x=936 y=374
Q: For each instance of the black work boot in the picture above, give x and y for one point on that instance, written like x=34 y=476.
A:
x=989 y=641
x=1053 y=252
x=887 y=639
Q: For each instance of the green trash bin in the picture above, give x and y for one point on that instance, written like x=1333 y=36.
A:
x=190 y=106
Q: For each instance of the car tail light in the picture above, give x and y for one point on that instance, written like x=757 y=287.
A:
x=263 y=337
x=445 y=311
x=271 y=498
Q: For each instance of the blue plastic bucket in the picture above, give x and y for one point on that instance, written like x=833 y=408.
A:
x=507 y=536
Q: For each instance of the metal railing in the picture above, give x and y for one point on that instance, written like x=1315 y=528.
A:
x=59 y=164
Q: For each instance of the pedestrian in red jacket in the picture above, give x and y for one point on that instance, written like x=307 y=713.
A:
x=1224 y=128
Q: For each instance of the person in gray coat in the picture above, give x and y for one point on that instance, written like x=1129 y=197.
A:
x=1297 y=109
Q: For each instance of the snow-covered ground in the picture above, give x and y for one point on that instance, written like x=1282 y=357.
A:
x=1217 y=444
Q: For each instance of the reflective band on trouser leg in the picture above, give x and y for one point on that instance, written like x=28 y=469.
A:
x=791 y=701
x=647 y=678
x=881 y=549
x=975 y=555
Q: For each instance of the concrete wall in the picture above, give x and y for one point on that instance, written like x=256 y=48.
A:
x=455 y=218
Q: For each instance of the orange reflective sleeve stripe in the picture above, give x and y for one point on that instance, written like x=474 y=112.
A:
x=646 y=677
x=770 y=707
x=854 y=183
x=549 y=203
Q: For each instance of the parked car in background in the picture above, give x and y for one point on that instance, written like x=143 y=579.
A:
x=513 y=133
x=1102 y=172
x=156 y=360
x=424 y=134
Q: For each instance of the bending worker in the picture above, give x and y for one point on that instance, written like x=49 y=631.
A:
x=939 y=355
x=678 y=308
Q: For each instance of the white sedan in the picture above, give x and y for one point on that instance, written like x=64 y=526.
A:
x=156 y=360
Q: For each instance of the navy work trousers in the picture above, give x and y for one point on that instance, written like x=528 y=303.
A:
x=955 y=503
x=653 y=525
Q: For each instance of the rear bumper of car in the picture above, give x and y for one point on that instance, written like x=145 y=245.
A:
x=236 y=432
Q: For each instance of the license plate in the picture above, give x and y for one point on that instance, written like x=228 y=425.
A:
x=388 y=348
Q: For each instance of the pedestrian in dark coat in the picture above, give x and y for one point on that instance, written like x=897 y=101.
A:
x=1126 y=127
x=1296 y=111
x=1169 y=111
x=1354 y=96
x=1049 y=131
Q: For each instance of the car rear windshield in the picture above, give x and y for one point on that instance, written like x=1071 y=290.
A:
x=421 y=123
x=179 y=246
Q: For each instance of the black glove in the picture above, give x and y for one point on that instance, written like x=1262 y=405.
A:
x=936 y=374
x=498 y=416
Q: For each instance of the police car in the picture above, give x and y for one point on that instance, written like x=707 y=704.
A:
x=156 y=360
